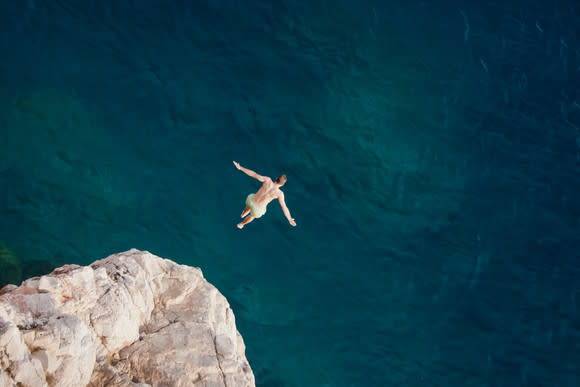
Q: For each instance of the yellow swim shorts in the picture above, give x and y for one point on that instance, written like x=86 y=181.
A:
x=256 y=210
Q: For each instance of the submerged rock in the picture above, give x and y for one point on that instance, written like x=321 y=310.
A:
x=132 y=319
x=10 y=266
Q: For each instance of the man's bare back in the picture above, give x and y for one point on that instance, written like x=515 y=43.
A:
x=257 y=203
x=267 y=192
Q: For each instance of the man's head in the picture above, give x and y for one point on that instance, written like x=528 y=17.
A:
x=281 y=180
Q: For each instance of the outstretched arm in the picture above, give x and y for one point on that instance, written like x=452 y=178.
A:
x=250 y=173
x=285 y=210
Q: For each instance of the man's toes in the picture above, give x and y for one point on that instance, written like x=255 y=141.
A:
x=240 y=226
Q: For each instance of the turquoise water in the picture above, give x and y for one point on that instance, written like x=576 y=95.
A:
x=433 y=163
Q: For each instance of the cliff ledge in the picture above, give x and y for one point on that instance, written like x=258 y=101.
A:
x=131 y=319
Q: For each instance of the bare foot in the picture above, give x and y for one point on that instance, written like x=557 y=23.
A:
x=240 y=226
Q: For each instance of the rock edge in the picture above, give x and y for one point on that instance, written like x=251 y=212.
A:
x=131 y=319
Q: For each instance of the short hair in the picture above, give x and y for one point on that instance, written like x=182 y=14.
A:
x=280 y=178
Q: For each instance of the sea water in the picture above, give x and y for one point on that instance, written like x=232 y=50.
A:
x=432 y=154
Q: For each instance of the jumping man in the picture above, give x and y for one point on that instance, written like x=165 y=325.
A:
x=256 y=203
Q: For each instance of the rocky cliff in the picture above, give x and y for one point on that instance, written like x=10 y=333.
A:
x=132 y=319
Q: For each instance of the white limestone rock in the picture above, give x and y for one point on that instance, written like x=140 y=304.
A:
x=132 y=319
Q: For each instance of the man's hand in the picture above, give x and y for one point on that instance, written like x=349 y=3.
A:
x=238 y=167
x=292 y=222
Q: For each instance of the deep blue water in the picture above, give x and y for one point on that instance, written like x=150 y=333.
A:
x=432 y=151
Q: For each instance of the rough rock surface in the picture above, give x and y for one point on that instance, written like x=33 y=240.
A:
x=132 y=319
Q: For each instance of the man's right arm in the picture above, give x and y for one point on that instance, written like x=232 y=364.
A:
x=285 y=209
x=249 y=172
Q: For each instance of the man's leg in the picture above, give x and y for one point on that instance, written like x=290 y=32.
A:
x=247 y=220
x=245 y=212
